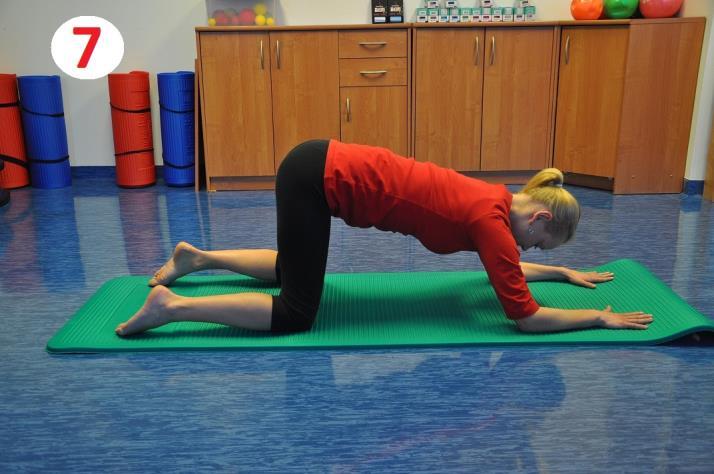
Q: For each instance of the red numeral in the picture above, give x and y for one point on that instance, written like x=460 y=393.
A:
x=93 y=32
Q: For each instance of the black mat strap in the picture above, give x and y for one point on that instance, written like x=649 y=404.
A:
x=140 y=111
x=48 y=162
x=9 y=104
x=163 y=107
x=133 y=152
x=14 y=161
x=24 y=109
x=178 y=167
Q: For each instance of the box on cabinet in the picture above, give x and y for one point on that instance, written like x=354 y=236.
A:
x=243 y=13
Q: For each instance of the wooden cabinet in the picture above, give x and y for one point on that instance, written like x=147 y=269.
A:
x=659 y=90
x=305 y=85
x=484 y=97
x=608 y=102
x=448 y=77
x=519 y=76
x=374 y=88
x=590 y=91
x=237 y=101
x=264 y=92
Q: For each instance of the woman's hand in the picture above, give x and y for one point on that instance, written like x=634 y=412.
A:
x=633 y=320
x=587 y=279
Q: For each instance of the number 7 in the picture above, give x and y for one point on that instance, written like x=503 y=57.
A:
x=93 y=32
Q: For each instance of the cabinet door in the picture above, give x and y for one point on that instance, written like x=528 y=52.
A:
x=517 y=99
x=660 y=87
x=375 y=116
x=592 y=75
x=448 y=80
x=238 y=134
x=305 y=76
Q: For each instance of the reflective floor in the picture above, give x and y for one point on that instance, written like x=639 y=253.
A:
x=573 y=409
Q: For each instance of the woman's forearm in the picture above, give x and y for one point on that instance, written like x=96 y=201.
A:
x=556 y=319
x=536 y=272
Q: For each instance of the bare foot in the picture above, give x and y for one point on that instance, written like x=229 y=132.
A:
x=153 y=314
x=185 y=259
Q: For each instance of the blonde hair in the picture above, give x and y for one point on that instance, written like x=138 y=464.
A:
x=546 y=187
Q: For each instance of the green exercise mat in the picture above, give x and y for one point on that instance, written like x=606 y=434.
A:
x=386 y=309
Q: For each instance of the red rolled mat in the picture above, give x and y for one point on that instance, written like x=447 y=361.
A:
x=12 y=143
x=131 y=124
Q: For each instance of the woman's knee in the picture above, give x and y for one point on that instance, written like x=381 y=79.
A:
x=291 y=318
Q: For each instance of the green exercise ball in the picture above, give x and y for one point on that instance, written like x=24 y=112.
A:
x=620 y=9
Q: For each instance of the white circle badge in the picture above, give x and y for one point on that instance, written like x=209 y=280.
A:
x=87 y=47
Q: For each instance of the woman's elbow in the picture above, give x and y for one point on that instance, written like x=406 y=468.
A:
x=527 y=324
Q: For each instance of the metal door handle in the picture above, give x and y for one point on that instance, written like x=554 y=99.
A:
x=367 y=73
x=349 y=110
x=277 y=47
x=373 y=43
x=493 y=49
x=567 y=50
x=262 y=56
x=477 y=51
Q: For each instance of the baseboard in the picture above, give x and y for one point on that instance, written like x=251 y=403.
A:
x=100 y=171
x=693 y=187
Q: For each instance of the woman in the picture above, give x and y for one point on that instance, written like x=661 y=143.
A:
x=369 y=186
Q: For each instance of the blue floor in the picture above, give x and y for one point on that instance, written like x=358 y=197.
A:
x=574 y=409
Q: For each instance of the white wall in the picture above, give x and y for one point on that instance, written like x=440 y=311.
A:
x=159 y=37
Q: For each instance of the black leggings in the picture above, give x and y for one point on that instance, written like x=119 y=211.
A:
x=303 y=236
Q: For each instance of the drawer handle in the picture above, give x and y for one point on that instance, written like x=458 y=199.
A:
x=368 y=73
x=367 y=44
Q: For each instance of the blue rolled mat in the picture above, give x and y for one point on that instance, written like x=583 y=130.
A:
x=45 y=131
x=176 y=96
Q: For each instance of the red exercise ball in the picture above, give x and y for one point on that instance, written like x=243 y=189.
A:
x=246 y=16
x=660 y=8
x=586 y=9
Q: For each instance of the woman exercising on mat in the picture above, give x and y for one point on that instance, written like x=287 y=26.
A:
x=369 y=186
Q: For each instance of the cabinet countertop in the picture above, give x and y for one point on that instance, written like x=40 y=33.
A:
x=637 y=21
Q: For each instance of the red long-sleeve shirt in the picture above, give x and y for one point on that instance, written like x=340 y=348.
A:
x=446 y=211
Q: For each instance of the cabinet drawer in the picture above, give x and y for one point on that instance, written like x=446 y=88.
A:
x=373 y=44
x=373 y=72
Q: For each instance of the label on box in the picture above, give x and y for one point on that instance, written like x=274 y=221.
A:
x=422 y=18
x=396 y=11
x=486 y=3
x=432 y=4
x=379 y=11
x=451 y=3
x=485 y=17
x=519 y=17
x=422 y=12
x=507 y=17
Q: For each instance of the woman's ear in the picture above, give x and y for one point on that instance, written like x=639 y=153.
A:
x=543 y=214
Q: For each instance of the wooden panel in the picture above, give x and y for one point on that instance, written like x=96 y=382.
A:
x=373 y=44
x=709 y=180
x=516 y=99
x=663 y=64
x=305 y=88
x=447 y=83
x=592 y=71
x=238 y=126
x=373 y=72
x=377 y=116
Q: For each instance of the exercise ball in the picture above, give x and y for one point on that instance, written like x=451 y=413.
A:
x=620 y=9
x=586 y=9
x=660 y=8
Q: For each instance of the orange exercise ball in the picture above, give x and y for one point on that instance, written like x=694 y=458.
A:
x=586 y=9
x=660 y=8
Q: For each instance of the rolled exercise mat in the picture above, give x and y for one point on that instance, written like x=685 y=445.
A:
x=45 y=131
x=177 y=126
x=131 y=123
x=386 y=309
x=12 y=143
